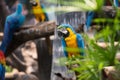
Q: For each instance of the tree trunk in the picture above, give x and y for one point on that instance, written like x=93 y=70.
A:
x=44 y=60
x=4 y=11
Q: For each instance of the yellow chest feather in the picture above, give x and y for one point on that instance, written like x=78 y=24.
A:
x=39 y=14
x=37 y=9
x=71 y=41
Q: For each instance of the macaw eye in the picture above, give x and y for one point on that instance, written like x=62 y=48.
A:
x=60 y=34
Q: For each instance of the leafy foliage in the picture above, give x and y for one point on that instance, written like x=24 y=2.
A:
x=96 y=56
x=75 y=5
x=8 y=68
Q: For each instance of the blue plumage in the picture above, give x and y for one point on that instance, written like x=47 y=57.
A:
x=2 y=72
x=80 y=43
x=46 y=15
x=116 y=3
x=64 y=45
x=13 y=22
x=89 y=19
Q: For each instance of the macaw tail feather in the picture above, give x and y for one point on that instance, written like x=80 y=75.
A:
x=2 y=65
x=2 y=72
x=2 y=58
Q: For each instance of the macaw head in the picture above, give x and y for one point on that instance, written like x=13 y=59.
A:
x=65 y=30
x=19 y=9
x=34 y=2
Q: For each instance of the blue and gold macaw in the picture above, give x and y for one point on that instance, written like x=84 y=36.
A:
x=13 y=22
x=41 y=16
x=38 y=11
x=70 y=39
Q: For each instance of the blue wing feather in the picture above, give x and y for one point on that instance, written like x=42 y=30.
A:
x=45 y=13
x=89 y=18
x=116 y=3
x=80 y=43
x=64 y=45
x=2 y=72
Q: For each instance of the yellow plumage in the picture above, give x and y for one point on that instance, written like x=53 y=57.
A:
x=38 y=12
x=71 y=42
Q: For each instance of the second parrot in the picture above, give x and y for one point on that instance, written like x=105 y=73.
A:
x=38 y=11
x=70 y=39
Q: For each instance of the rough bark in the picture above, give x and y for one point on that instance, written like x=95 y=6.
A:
x=4 y=11
x=44 y=60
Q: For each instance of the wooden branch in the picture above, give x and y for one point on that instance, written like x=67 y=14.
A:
x=30 y=33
